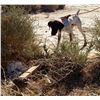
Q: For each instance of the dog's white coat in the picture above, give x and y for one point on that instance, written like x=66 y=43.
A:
x=69 y=22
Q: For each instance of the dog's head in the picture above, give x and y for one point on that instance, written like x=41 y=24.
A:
x=55 y=26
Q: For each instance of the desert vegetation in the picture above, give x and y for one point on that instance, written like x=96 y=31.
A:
x=66 y=71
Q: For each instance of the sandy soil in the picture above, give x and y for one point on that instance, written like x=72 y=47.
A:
x=44 y=34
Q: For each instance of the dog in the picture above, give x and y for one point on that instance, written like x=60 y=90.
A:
x=67 y=23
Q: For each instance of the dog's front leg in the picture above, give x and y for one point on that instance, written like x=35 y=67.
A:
x=71 y=35
x=59 y=38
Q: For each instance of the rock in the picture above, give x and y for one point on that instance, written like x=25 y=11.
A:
x=14 y=69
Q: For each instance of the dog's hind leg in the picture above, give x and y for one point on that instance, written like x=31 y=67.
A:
x=71 y=36
x=85 y=41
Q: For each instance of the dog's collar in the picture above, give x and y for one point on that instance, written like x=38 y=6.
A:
x=60 y=20
x=63 y=20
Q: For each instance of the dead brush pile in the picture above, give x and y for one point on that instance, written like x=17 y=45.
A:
x=55 y=76
x=58 y=68
x=61 y=73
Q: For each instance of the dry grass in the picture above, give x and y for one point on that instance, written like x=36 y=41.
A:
x=92 y=72
x=88 y=90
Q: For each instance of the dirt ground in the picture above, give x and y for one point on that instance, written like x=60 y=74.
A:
x=44 y=34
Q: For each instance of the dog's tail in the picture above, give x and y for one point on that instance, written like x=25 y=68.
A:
x=78 y=12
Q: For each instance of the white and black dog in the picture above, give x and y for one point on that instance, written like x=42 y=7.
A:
x=67 y=23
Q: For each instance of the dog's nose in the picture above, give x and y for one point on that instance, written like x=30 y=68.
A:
x=46 y=31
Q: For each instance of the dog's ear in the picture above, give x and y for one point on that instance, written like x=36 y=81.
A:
x=50 y=23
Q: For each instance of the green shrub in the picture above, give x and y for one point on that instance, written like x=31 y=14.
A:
x=96 y=34
x=72 y=51
x=18 y=40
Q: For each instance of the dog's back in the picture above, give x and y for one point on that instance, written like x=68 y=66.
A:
x=73 y=20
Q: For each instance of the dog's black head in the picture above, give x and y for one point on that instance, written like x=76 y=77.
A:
x=55 y=26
